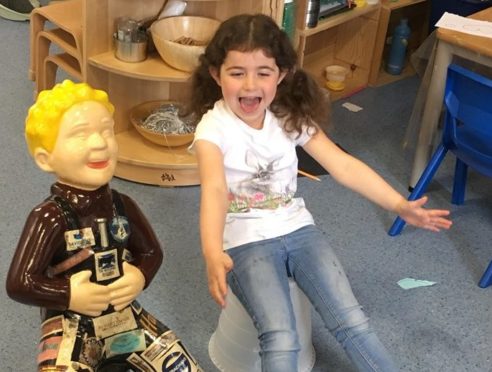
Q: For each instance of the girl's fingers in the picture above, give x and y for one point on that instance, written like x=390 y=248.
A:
x=219 y=297
x=420 y=202
x=218 y=291
x=436 y=224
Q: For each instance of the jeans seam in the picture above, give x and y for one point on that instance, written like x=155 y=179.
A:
x=366 y=357
x=339 y=323
x=247 y=305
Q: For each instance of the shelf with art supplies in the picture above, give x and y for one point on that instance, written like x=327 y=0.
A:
x=342 y=35
x=165 y=49
x=154 y=149
x=391 y=43
x=309 y=24
x=152 y=60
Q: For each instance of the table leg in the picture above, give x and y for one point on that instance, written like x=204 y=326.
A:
x=432 y=111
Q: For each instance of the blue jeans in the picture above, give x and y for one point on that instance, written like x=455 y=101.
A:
x=260 y=280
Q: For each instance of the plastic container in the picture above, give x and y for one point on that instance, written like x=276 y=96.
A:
x=288 y=19
x=399 y=42
x=335 y=77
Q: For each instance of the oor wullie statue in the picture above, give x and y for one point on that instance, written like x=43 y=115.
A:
x=87 y=251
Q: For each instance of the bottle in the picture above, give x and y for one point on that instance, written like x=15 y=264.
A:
x=312 y=13
x=288 y=19
x=398 y=49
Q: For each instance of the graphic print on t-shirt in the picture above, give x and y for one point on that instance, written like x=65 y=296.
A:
x=262 y=189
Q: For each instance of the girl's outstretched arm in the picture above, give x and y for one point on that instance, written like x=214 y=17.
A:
x=360 y=178
x=213 y=208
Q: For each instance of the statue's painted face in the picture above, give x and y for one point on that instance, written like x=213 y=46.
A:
x=85 y=152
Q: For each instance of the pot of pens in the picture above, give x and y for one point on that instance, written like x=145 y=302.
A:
x=130 y=40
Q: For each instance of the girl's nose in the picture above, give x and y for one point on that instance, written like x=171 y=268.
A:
x=249 y=82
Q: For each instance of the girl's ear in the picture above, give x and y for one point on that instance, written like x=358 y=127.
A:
x=42 y=159
x=215 y=74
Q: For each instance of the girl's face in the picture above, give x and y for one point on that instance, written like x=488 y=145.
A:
x=248 y=81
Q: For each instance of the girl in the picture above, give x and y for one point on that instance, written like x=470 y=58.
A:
x=255 y=107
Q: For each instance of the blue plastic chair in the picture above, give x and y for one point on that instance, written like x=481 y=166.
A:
x=467 y=134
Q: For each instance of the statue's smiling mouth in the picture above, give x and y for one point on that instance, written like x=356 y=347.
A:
x=98 y=164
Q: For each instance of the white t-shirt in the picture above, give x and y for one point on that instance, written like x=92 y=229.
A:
x=261 y=175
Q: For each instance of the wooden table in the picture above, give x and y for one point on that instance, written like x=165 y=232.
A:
x=449 y=43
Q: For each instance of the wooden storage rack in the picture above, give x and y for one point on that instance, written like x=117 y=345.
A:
x=129 y=84
x=345 y=39
x=417 y=12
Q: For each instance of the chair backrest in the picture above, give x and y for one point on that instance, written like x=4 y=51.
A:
x=468 y=125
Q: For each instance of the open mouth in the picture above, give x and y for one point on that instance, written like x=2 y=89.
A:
x=249 y=104
x=98 y=164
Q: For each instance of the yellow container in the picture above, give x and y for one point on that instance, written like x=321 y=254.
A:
x=335 y=77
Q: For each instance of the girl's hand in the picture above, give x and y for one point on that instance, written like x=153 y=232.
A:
x=431 y=219
x=217 y=268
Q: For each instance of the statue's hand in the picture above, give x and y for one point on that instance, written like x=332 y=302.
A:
x=86 y=297
x=124 y=290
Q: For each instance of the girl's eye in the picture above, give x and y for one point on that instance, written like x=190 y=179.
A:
x=236 y=74
x=264 y=74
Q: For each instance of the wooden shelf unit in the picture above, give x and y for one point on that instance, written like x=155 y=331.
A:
x=345 y=39
x=129 y=84
x=152 y=68
x=417 y=12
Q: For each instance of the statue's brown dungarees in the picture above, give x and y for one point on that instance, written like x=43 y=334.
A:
x=76 y=230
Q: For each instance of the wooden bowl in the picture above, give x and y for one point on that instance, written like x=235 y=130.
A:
x=139 y=113
x=169 y=34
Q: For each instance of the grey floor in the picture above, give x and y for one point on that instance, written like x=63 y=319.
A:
x=446 y=327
